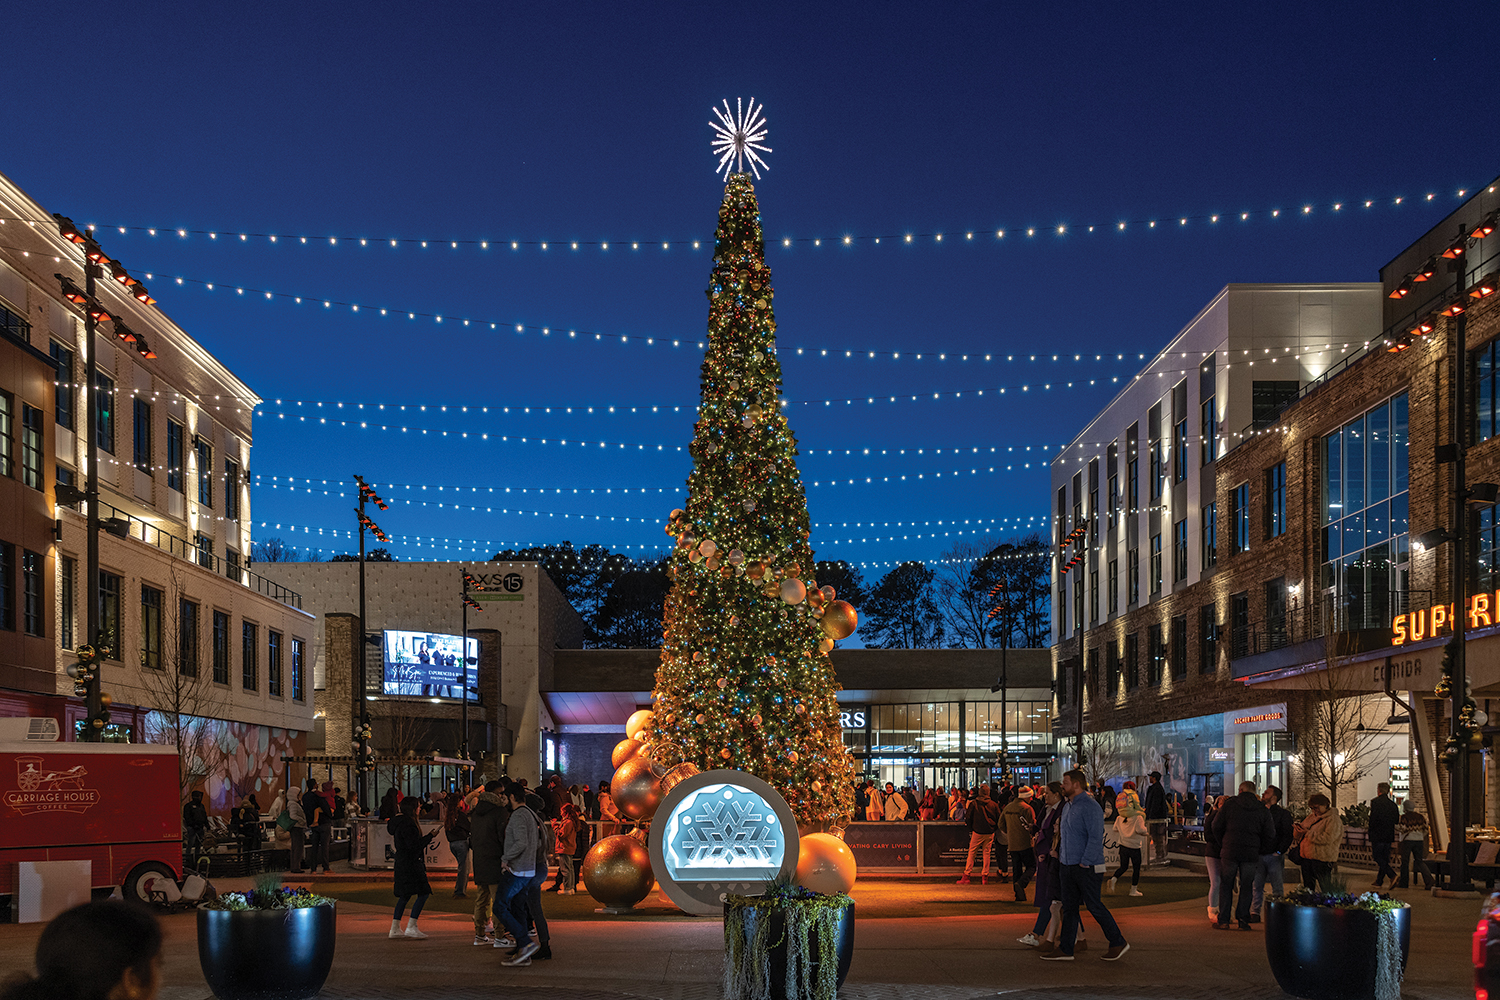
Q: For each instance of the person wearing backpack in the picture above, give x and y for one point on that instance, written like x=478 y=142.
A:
x=982 y=819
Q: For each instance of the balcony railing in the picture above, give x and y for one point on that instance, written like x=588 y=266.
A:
x=1339 y=614
x=145 y=531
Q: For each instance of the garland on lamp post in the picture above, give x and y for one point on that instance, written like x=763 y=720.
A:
x=1466 y=732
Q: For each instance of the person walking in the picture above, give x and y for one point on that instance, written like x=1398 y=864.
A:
x=487 y=822
x=1019 y=822
x=527 y=906
x=1245 y=833
x=1157 y=816
x=982 y=818
x=518 y=863
x=1080 y=851
x=1214 y=846
x=410 y=868
x=1384 y=818
x=1272 y=868
x=567 y=828
x=1318 y=837
x=1413 y=834
x=456 y=827
x=319 y=813
x=1044 y=843
x=1130 y=834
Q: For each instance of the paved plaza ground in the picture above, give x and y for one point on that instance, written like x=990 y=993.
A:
x=914 y=939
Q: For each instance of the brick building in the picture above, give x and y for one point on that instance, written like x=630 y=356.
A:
x=1297 y=550
x=191 y=627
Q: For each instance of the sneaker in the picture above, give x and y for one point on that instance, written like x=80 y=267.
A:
x=516 y=961
x=1116 y=952
x=1029 y=939
x=1081 y=944
x=1057 y=956
x=1020 y=895
x=414 y=932
x=543 y=954
x=483 y=939
x=1110 y=885
x=506 y=941
x=1245 y=926
x=1135 y=891
x=1216 y=925
x=964 y=880
x=524 y=955
x=984 y=880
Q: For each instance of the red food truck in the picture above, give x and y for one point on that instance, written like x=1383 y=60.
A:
x=112 y=804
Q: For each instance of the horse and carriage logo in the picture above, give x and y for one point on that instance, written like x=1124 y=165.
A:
x=42 y=789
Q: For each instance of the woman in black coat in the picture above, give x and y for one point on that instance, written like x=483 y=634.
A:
x=411 y=866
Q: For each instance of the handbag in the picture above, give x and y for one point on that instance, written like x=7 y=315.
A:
x=285 y=820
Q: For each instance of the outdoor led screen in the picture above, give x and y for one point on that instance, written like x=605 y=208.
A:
x=429 y=665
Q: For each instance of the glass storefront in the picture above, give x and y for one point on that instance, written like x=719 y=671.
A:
x=942 y=744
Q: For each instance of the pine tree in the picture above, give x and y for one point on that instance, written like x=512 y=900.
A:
x=744 y=680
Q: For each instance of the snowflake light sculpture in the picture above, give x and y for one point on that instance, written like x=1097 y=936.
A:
x=738 y=134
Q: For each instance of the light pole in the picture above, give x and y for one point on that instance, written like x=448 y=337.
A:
x=361 y=699
x=469 y=583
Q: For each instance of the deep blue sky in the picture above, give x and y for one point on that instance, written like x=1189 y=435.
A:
x=589 y=122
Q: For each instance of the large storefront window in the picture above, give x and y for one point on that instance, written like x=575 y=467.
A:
x=1263 y=764
x=941 y=744
x=1366 y=545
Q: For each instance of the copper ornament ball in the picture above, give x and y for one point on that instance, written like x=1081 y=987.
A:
x=636 y=789
x=624 y=750
x=839 y=620
x=617 y=871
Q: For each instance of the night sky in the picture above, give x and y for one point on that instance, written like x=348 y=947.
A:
x=589 y=123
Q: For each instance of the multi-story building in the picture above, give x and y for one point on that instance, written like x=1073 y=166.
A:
x=1286 y=547
x=202 y=649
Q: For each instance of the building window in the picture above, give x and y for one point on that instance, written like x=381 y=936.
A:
x=1093 y=596
x=1268 y=398
x=15 y=324
x=62 y=360
x=7 y=435
x=232 y=566
x=1239 y=508
x=1132 y=661
x=175 y=438
x=205 y=453
x=1210 y=430
x=69 y=600
x=7 y=586
x=1114 y=586
x=109 y=613
x=249 y=645
x=65 y=478
x=1133 y=570
x=142 y=427
x=1210 y=555
x=1208 y=639
x=231 y=490
x=1239 y=624
x=1112 y=668
x=1486 y=368
x=1180 y=451
x=273 y=663
x=1078 y=600
x=1366 y=550
x=1114 y=499
x=31 y=446
x=221 y=648
x=151 y=599
x=1156 y=654
x=1158 y=469
x=104 y=411
x=1092 y=683
x=32 y=619
x=1276 y=500
x=1179 y=551
x=297 y=670
x=1156 y=563
x=1062 y=608
x=1133 y=468
x=187 y=638
x=205 y=546
x=1179 y=648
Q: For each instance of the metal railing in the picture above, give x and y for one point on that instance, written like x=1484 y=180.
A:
x=1338 y=614
x=150 y=534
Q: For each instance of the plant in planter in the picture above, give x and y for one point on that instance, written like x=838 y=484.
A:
x=272 y=942
x=1338 y=945
x=790 y=944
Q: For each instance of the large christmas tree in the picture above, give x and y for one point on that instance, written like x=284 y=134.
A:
x=745 y=681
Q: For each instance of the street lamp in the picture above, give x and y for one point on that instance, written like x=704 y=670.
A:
x=361 y=696
x=469 y=583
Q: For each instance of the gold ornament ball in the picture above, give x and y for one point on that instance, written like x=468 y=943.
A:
x=636 y=789
x=825 y=645
x=617 y=871
x=636 y=723
x=793 y=591
x=708 y=547
x=825 y=864
x=828 y=593
x=725 y=753
x=624 y=750
x=839 y=620
x=105 y=699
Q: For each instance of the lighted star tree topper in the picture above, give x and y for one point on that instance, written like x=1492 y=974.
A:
x=738 y=136
x=745 y=681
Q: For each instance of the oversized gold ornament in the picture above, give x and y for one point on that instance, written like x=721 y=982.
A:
x=636 y=789
x=637 y=722
x=624 y=750
x=839 y=620
x=793 y=591
x=617 y=871
x=708 y=547
x=825 y=864
x=677 y=775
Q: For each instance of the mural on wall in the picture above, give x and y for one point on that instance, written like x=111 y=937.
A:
x=228 y=760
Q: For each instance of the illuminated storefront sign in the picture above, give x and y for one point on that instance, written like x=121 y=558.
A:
x=1429 y=623
x=853 y=719
x=721 y=833
x=1244 y=720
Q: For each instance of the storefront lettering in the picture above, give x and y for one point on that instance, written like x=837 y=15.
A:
x=1393 y=669
x=1429 y=623
x=852 y=720
x=1262 y=717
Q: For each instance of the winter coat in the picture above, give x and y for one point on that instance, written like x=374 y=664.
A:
x=1018 y=820
x=458 y=829
x=1045 y=835
x=411 y=864
x=876 y=808
x=983 y=816
x=1156 y=802
x=1281 y=820
x=316 y=809
x=896 y=807
x=1130 y=828
x=194 y=816
x=567 y=835
x=522 y=841
x=487 y=822
x=1321 y=837
x=1244 y=828
x=1383 y=819
x=299 y=818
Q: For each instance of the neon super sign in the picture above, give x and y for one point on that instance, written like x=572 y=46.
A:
x=1429 y=623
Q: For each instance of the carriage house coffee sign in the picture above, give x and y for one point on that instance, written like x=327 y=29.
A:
x=1429 y=623
x=41 y=789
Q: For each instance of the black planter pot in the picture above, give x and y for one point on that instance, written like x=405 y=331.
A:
x=1322 y=953
x=266 y=954
x=843 y=946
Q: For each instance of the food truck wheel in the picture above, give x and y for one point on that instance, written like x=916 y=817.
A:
x=137 y=885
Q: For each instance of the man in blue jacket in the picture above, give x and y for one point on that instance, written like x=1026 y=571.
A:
x=1080 y=853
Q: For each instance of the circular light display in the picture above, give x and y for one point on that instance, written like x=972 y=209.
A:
x=721 y=833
